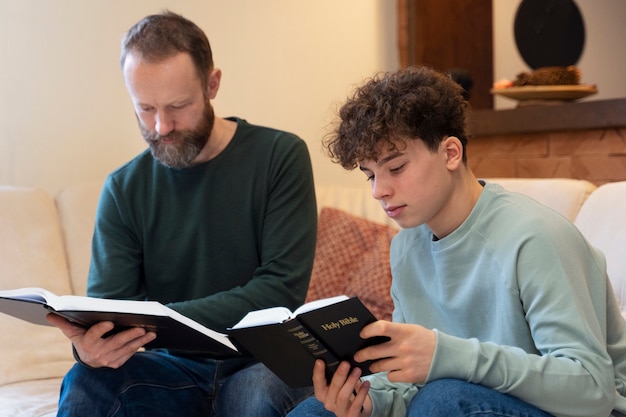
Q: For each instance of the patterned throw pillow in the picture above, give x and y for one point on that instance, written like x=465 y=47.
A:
x=352 y=258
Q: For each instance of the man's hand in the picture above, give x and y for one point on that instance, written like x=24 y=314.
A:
x=346 y=395
x=96 y=351
x=406 y=357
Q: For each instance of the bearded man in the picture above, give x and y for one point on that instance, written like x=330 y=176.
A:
x=216 y=219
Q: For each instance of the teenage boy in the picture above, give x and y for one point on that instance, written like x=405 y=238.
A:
x=501 y=307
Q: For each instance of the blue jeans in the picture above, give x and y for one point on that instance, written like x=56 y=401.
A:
x=447 y=398
x=158 y=384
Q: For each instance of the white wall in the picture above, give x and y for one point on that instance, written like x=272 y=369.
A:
x=603 y=61
x=66 y=117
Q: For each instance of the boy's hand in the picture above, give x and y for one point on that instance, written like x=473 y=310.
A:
x=339 y=396
x=406 y=357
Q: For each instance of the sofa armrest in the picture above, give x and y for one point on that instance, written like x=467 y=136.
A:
x=31 y=255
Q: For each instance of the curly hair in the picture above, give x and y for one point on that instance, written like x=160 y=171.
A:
x=393 y=107
x=161 y=36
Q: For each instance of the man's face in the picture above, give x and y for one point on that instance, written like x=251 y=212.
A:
x=179 y=148
x=173 y=110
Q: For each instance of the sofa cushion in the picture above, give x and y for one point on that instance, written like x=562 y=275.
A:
x=564 y=195
x=352 y=258
x=77 y=211
x=31 y=255
x=602 y=221
x=32 y=398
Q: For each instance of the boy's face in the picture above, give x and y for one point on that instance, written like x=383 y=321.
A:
x=413 y=184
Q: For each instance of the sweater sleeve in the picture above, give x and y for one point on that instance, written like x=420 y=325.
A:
x=389 y=399
x=116 y=254
x=563 y=291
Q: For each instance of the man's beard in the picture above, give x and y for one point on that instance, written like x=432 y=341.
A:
x=187 y=143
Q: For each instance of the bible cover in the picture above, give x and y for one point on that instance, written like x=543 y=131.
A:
x=290 y=348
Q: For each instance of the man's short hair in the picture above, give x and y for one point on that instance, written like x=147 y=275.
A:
x=160 y=36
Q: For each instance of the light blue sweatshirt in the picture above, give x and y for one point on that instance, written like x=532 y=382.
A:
x=519 y=301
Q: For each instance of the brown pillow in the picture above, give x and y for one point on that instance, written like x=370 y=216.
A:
x=352 y=258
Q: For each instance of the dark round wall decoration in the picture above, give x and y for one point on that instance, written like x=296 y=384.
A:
x=549 y=32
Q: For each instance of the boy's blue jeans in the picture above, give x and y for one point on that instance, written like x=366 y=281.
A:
x=158 y=384
x=447 y=398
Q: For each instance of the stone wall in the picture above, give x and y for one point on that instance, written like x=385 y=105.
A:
x=596 y=153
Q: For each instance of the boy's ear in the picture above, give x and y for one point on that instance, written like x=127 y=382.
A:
x=454 y=152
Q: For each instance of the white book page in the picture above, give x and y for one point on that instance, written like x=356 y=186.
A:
x=271 y=315
x=314 y=305
x=79 y=303
x=38 y=295
x=220 y=337
x=275 y=315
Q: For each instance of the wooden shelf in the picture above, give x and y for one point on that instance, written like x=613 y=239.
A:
x=601 y=114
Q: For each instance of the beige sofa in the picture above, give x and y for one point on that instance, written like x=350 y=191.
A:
x=45 y=241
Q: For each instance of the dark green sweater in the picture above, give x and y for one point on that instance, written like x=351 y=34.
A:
x=213 y=241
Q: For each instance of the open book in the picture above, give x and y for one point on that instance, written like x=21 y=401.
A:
x=289 y=343
x=174 y=331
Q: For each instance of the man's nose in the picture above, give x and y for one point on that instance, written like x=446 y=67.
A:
x=163 y=123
